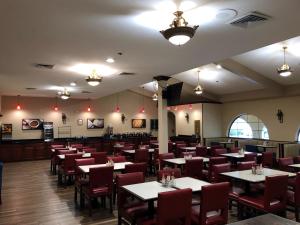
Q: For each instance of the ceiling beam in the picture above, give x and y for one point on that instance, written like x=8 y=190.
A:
x=250 y=75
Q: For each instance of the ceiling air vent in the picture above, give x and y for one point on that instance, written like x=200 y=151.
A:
x=86 y=92
x=127 y=74
x=30 y=88
x=249 y=20
x=44 y=66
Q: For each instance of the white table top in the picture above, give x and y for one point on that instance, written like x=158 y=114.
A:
x=181 y=161
x=117 y=166
x=147 y=191
x=118 y=146
x=150 y=150
x=247 y=175
x=189 y=182
x=295 y=165
x=189 y=148
x=85 y=155
x=266 y=146
x=237 y=155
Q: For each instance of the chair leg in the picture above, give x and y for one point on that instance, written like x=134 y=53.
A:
x=110 y=204
x=75 y=194
x=296 y=213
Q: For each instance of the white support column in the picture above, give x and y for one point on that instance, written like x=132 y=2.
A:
x=162 y=123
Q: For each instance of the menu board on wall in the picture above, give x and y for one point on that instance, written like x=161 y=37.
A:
x=48 y=131
x=6 y=131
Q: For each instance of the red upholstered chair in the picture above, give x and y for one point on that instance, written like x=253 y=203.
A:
x=216 y=152
x=179 y=142
x=245 y=165
x=293 y=197
x=141 y=156
x=193 y=168
x=127 y=208
x=89 y=150
x=54 y=159
x=201 y=151
x=100 y=185
x=65 y=152
x=170 y=147
x=234 y=150
x=284 y=163
x=272 y=201
x=169 y=211
x=213 y=208
x=178 y=149
x=192 y=153
x=268 y=159
x=168 y=172
x=76 y=145
x=297 y=159
x=80 y=181
x=117 y=159
x=250 y=157
x=136 y=167
x=193 y=144
x=57 y=146
x=217 y=169
x=213 y=161
x=161 y=157
x=67 y=169
x=100 y=157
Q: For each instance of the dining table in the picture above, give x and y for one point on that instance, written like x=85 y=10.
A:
x=180 y=162
x=295 y=166
x=267 y=219
x=117 y=166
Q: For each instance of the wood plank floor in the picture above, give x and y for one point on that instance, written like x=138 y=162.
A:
x=30 y=196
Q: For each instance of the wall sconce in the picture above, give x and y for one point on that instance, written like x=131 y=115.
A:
x=187 y=117
x=123 y=118
x=280 y=116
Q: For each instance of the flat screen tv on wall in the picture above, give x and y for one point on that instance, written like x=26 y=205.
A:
x=138 y=123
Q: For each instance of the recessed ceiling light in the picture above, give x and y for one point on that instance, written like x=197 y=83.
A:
x=110 y=60
x=73 y=84
x=219 y=66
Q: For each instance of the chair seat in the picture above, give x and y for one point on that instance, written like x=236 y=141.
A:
x=213 y=217
x=134 y=210
x=96 y=191
x=236 y=192
x=81 y=182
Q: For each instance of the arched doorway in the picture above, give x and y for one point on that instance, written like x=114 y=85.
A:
x=171 y=124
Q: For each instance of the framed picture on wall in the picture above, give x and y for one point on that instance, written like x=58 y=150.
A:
x=95 y=123
x=138 y=123
x=32 y=124
x=80 y=122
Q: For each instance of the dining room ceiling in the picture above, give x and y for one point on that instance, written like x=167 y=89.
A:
x=77 y=35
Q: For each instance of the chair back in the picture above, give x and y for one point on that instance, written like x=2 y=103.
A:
x=245 y=165
x=57 y=146
x=201 y=151
x=77 y=145
x=215 y=161
x=118 y=159
x=193 y=144
x=126 y=179
x=168 y=172
x=89 y=150
x=217 y=169
x=268 y=159
x=163 y=156
x=65 y=152
x=69 y=162
x=250 y=157
x=216 y=152
x=82 y=162
x=297 y=190
x=193 y=168
x=136 y=167
x=170 y=147
x=284 y=163
x=217 y=209
x=168 y=209
x=275 y=194
x=297 y=159
x=101 y=177
x=234 y=150
x=141 y=155
x=100 y=157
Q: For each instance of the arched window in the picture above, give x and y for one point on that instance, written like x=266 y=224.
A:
x=298 y=136
x=248 y=126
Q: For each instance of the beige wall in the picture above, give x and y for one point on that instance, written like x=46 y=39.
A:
x=182 y=126
x=42 y=108
x=212 y=120
x=266 y=111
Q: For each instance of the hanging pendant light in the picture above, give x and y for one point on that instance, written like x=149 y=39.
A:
x=179 y=33
x=18 y=103
x=56 y=106
x=117 y=108
x=198 y=89
x=142 y=110
x=93 y=79
x=65 y=94
x=155 y=97
x=285 y=69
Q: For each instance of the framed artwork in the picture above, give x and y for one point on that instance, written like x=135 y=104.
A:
x=80 y=122
x=95 y=123
x=138 y=123
x=6 y=130
x=32 y=124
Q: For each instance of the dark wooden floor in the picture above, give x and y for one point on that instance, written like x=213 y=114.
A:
x=31 y=197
